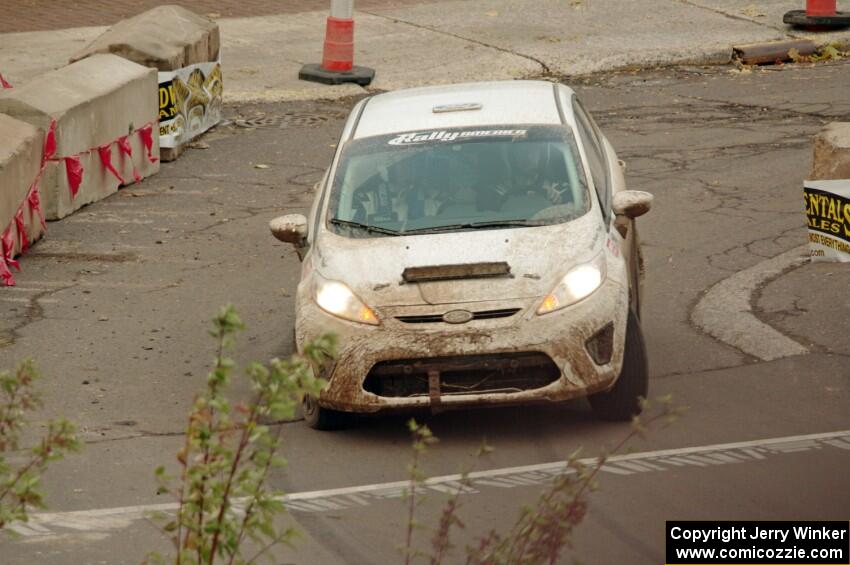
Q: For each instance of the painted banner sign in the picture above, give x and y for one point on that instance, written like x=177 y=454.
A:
x=828 y=219
x=189 y=102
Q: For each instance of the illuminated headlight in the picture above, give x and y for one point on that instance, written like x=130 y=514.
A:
x=578 y=284
x=336 y=298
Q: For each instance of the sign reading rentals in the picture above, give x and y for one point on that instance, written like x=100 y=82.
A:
x=189 y=102
x=828 y=218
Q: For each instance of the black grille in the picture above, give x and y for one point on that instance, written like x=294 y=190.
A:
x=490 y=314
x=468 y=374
x=435 y=318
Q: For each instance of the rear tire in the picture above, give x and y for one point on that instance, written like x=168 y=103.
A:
x=325 y=419
x=623 y=401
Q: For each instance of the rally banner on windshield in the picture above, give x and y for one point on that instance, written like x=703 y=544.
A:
x=418 y=137
x=828 y=219
x=189 y=102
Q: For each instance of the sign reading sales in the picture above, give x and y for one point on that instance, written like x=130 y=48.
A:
x=828 y=219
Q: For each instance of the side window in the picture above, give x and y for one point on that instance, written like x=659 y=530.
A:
x=596 y=159
x=324 y=189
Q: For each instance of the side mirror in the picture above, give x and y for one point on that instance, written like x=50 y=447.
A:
x=291 y=228
x=632 y=203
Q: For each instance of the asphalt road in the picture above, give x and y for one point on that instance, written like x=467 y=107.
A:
x=115 y=303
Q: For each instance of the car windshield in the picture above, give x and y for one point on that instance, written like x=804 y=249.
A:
x=457 y=179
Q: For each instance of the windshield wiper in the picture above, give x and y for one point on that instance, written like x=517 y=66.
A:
x=498 y=223
x=474 y=225
x=366 y=227
x=433 y=229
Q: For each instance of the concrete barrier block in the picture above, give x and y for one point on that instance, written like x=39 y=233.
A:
x=95 y=102
x=172 y=153
x=832 y=152
x=20 y=162
x=166 y=38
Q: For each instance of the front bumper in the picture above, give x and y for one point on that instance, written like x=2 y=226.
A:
x=560 y=336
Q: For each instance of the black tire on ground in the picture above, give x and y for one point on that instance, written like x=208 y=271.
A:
x=325 y=419
x=637 y=267
x=623 y=401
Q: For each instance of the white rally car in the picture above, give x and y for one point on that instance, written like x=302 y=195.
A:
x=472 y=244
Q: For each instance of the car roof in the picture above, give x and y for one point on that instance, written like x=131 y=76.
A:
x=502 y=103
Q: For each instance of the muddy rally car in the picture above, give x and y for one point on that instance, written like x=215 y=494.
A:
x=472 y=244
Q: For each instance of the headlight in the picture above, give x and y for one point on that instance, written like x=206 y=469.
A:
x=579 y=283
x=336 y=298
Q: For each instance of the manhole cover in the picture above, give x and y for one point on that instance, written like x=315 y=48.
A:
x=259 y=122
x=289 y=119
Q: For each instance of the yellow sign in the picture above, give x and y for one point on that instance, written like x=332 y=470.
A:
x=828 y=219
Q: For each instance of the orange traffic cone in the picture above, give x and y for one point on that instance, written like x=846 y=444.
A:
x=819 y=15
x=337 y=65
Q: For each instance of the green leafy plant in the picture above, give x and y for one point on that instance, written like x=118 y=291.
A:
x=20 y=483
x=542 y=531
x=226 y=510
x=422 y=439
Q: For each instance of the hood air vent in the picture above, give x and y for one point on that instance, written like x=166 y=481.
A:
x=453 y=272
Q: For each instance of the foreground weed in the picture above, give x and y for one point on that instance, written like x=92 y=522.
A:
x=543 y=531
x=226 y=510
x=20 y=483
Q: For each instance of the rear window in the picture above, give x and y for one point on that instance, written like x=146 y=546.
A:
x=457 y=179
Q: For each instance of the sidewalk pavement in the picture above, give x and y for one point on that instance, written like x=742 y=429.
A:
x=460 y=40
x=43 y=15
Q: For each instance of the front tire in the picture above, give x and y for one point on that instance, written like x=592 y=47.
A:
x=623 y=401
x=325 y=419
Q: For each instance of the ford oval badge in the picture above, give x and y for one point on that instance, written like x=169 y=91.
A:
x=457 y=317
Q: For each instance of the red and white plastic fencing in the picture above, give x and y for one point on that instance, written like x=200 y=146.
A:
x=74 y=167
x=15 y=233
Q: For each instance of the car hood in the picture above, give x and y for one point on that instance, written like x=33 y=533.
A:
x=537 y=256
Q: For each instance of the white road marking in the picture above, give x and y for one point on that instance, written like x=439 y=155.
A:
x=725 y=311
x=57 y=285
x=107 y=220
x=73 y=246
x=44 y=525
x=27 y=300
